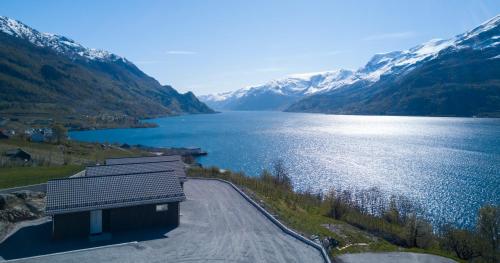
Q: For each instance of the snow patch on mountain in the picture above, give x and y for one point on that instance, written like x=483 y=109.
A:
x=295 y=85
x=484 y=27
x=55 y=42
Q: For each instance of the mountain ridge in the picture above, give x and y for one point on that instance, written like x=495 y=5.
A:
x=48 y=74
x=376 y=73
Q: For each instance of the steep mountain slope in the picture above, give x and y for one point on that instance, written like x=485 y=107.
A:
x=454 y=77
x=48 y=74
x=279 y=94
x=434 y=78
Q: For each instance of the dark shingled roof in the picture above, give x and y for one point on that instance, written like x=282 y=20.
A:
x=152 y=159
x=103 y=192
x=176 y=167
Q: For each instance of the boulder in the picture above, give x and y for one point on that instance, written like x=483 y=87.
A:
x=8 y=200
x=27 y=194
x=16 y=215
x=21 y=205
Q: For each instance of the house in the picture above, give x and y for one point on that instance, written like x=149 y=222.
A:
x=169 y=169
x=39 y=134
x=18 y=154
x=169 y=163
x=37 y=137
x=172 y=165
x=91 y=205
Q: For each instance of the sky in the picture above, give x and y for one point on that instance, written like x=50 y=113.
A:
x=211 y=46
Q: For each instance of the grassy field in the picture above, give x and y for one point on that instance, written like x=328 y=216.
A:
x=19 y=176
x=70 y=152
x=51 y=161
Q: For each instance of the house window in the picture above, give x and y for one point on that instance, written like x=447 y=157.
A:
x=162 y=207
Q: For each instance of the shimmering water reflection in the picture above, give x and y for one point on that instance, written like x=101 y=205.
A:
x=450 y=165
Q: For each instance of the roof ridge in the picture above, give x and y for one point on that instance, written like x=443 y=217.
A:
x=132 y=157
x=84 y=177
x=116 y=164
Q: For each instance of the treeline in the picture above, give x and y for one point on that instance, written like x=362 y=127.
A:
x=396 y=219
x=401 y=222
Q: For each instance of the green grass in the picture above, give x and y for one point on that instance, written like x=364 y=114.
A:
x=80 y=153
x=51 y=160
x=19 y=176
x=310 y=220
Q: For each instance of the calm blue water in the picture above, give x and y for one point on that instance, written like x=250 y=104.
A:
x=449 y=165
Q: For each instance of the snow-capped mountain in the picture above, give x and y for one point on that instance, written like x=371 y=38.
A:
x=398 y=62
x=279 y=94
x=380 y=66
x=48 y=73
x=453 y=77
x=60 y=44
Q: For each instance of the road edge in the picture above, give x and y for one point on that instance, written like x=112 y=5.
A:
x=284 y=228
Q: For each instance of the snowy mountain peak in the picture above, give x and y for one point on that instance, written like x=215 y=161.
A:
x=304 y=83
x=484 y=27
x=396 y=63
x=60 y=44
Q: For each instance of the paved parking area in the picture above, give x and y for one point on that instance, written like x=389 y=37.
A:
x=217 y=225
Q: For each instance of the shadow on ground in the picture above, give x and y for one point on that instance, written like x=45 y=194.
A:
x=36 y=240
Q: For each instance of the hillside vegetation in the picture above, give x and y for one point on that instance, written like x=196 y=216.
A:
x=43 y=82
x=363 y=222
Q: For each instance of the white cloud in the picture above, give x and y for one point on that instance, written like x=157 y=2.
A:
x=396 y=35
x=180 y=52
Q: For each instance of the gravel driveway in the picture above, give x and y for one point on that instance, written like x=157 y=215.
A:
x=217 y=225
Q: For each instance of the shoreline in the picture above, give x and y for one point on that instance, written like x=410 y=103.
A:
x=146 y=125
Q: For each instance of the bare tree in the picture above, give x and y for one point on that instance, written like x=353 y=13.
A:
x=488 y=229
x=281 y=174
x=461 y=241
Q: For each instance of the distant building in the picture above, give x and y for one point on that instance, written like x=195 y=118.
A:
x=18 y=154
x=39 y=134
x=37 y=137
x=91 y=205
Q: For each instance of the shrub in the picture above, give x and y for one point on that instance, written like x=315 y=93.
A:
x=461 y=241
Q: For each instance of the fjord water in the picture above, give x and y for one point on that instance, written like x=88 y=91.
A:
x=449 y=165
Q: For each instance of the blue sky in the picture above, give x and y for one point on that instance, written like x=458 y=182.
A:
x=213 y=46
